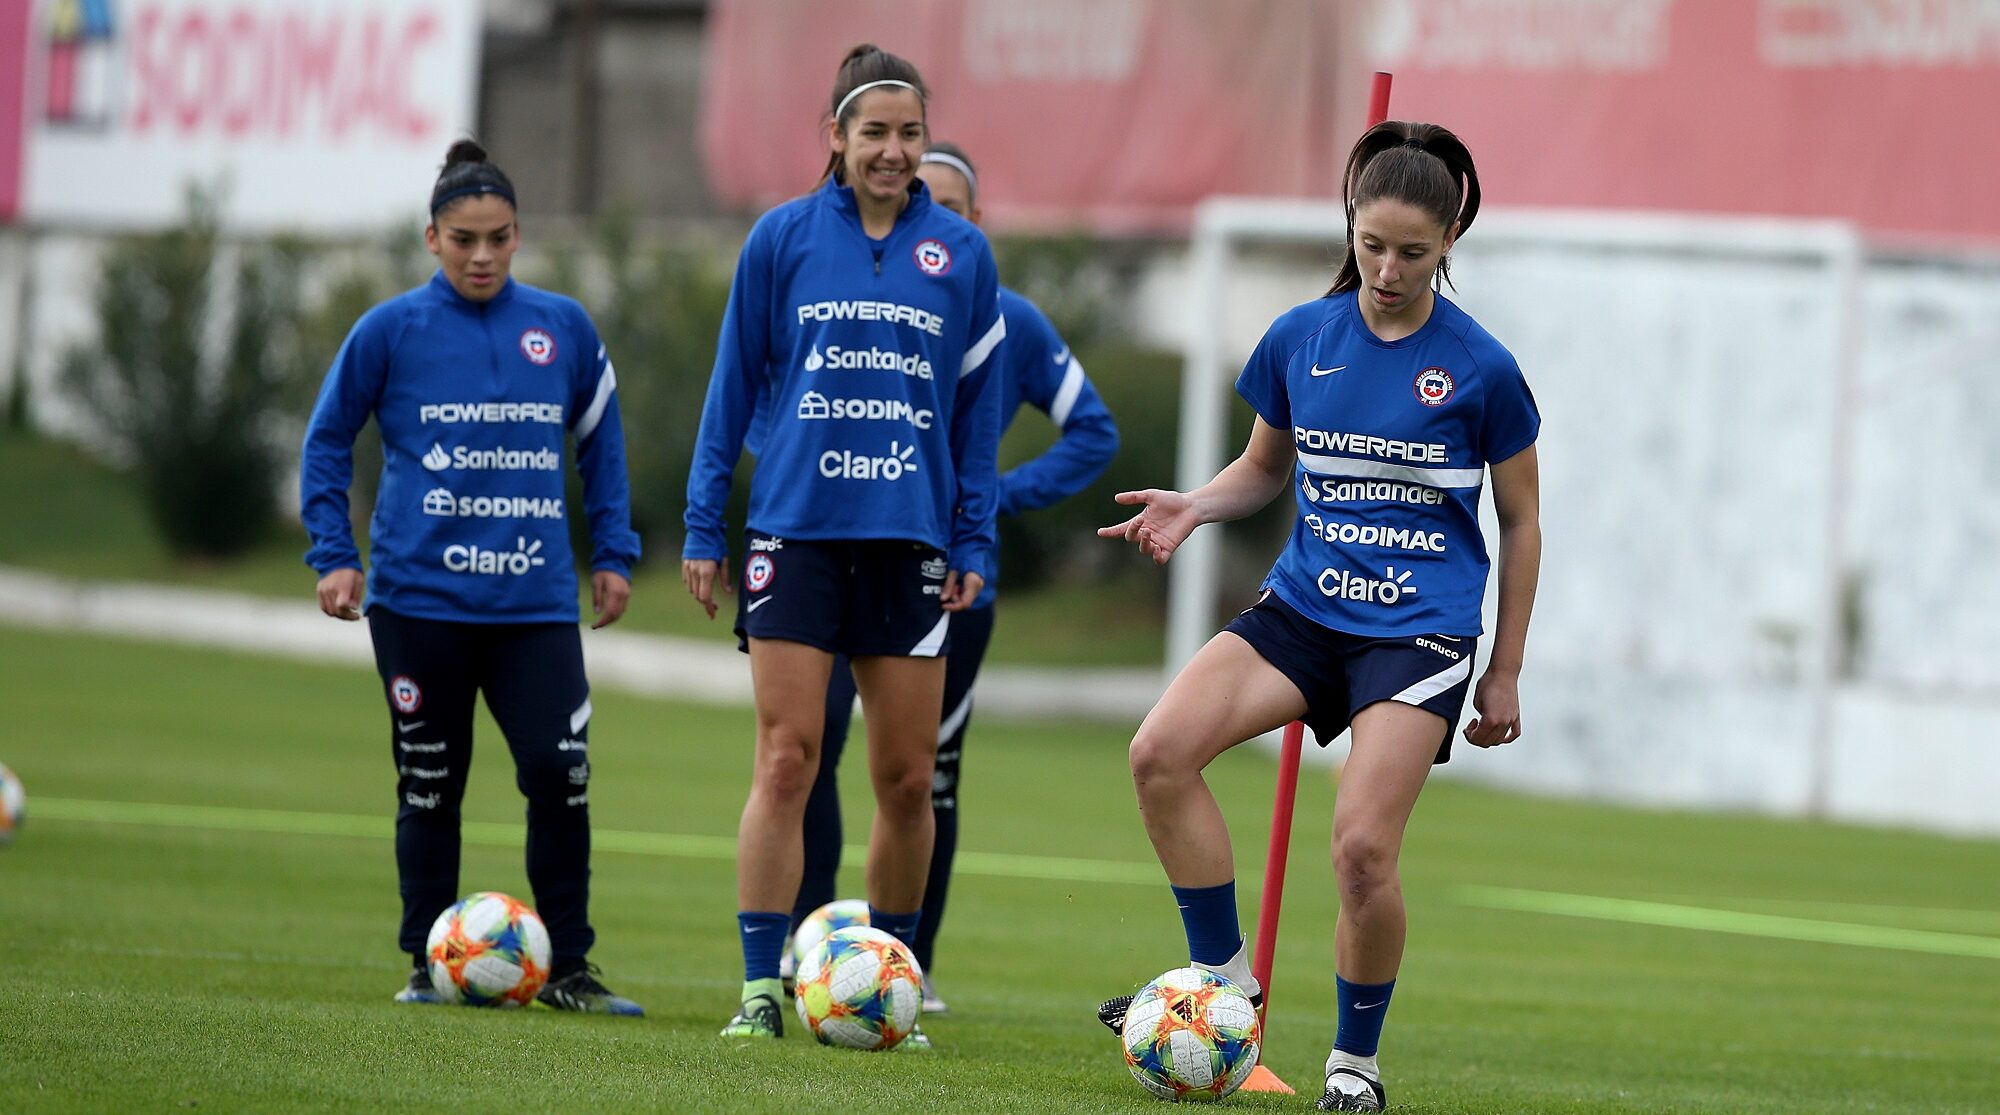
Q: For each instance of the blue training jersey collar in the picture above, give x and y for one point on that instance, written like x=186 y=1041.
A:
x=842 y=198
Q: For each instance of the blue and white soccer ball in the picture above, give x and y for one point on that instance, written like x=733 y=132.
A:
x=1191 y=1035
x=837 y=914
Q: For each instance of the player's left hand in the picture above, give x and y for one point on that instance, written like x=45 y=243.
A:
x=1498 y=701
x=609 y=593
x=960 y=590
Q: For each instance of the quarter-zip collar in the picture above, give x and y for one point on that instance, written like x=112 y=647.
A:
x=842 y=199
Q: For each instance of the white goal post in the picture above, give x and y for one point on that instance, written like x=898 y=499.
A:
x=1698 y=378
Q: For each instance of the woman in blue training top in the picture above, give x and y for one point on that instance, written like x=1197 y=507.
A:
x=1034 y=367
x=1382 y=405
x=474 y=380
x=860 y=328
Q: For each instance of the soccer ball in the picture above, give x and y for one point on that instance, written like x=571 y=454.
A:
x=1191 y=1035
x=13 y=805
x=860 y=989
x=488 y=950
x=837 y=914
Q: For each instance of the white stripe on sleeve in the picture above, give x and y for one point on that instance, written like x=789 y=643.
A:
x=977 y=354
x=1072 y=386
x=606 y=384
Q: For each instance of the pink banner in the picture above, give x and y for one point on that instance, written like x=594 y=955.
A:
x=1118 y=114
x=1876 y=112
x=14 y=16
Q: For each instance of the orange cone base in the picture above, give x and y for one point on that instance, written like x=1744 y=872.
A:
x=1264 y=1080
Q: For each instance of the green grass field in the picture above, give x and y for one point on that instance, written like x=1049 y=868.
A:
x=200 y=913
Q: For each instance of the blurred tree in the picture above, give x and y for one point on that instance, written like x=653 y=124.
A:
x=198 y=344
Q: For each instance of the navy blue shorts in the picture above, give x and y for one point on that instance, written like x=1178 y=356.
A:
x=858 y=598
x=1341 y=674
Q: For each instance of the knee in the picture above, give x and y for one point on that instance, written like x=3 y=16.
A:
x=1364 y=862
x=1153 y=757
x=559 y=775
x=904 y=789
x=784 y=769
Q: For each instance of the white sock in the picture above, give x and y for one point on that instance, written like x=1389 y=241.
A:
x=1236 y=970
x=1340 y=1059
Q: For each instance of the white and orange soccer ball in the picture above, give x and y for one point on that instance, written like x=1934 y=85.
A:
x=488 y=950
x=860 y=989
x=13 y=805
x=1191 y=1035
x=837 y=914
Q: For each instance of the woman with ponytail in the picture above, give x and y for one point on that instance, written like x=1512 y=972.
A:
x=856 y=363
x=1383 y=407
x=475 y=382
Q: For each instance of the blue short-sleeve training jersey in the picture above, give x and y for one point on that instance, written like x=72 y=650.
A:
x=872 y=363
x=474 y=400
x=1393 y=439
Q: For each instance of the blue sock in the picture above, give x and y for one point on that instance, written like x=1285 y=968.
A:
x=1209 y=916
x=763 y=942
x=1363 y=1006
x=902 y=927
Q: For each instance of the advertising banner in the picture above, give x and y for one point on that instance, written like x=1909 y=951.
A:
x=304 y=114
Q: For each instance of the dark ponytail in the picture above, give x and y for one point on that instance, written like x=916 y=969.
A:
x=863 y=64
x=466 y=173
x=1422 y=165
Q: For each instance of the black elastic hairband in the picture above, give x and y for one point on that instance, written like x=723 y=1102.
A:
x=450 y=196
x=1413 y=141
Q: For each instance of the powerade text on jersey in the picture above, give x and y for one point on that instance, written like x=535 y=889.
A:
x=473 y=400
x=1392 y=440
x=872 y=360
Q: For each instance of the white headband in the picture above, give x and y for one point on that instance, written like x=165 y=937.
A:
x=865 y=87
x=955 y=163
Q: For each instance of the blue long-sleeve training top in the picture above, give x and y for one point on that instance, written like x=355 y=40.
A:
x=873 y=363
x=473 y=400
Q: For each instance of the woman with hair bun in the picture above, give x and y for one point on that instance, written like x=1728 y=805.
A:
x=476 y=382
x=855 y=362
x=1384 y=407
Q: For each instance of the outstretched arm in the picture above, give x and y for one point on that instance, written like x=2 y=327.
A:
x=1244 y=486
x=1517 y=499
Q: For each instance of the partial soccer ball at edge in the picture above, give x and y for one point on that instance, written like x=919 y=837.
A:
x=837 y=914
x=1191 y=1035
x=488 y=950
x=860 y=989
x=13 y=805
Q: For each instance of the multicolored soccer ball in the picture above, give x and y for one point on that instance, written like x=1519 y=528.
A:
x=837 y=914
x=860 y=989
x=1191 y=1035
x=13 y=805
x=488 y=950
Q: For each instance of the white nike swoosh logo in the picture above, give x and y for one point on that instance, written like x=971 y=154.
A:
x=409 y=726
x=756 y=604
x=1368 y=1006
x=755 y=928
x=1319 y=371
x=1451 y=638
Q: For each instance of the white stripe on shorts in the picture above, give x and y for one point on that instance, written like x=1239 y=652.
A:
x=580 y=717
x=1437 y=683
x=933 y=642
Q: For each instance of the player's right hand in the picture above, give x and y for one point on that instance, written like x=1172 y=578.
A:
x=701 y=577
x=340 y=593
x=1159 y=529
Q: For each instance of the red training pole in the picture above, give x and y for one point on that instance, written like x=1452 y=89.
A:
x=1263 y=1079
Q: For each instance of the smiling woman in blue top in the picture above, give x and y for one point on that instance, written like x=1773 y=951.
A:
x=475 y=381
x=1382 y=406
x=860 y=331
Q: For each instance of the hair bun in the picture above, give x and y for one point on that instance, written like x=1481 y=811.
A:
x=464 y=151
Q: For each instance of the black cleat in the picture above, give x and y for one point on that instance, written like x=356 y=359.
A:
x=581 y=991
x=1349 y=1098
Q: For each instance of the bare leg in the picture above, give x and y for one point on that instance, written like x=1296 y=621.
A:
x=1226 y=694
x=1394 y=744
x=789 y=679
x=901 y=700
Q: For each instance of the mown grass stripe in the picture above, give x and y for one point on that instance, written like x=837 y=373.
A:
x=489 y=833
x=1712 y=920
